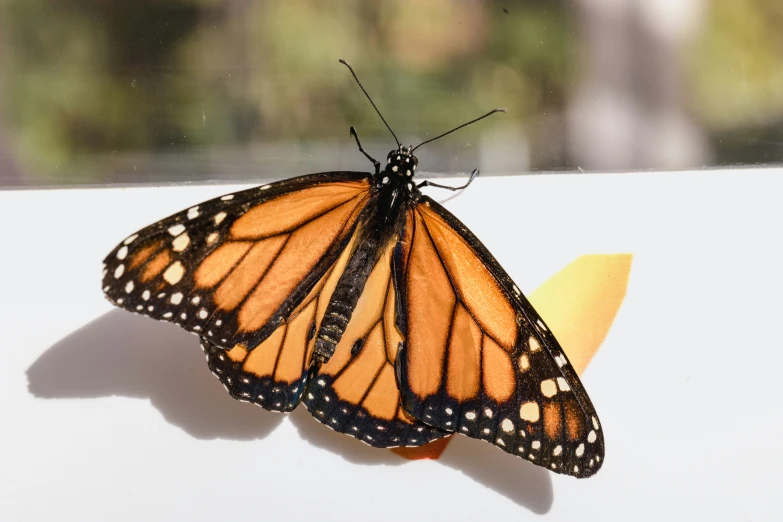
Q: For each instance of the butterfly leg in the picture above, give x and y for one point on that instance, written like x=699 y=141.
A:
x=373 y=160
x=427 y=183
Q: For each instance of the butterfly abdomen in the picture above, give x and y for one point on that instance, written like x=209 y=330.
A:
x=345 y=297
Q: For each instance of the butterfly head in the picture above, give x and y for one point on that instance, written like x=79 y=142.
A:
x=401 y=162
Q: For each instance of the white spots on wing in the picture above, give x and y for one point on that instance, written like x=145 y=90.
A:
x=395 y=168
x=548 y=388
x=131 y=239
x=176 y=298
x=471 y=415
x=203 y=314
x=507 y=425
x=196 y=300
x=500 y=442
x=385 y=179
x=227 y=197
x=534 y=344
x=193 y=212
x=595 y=423
x=265 y=187
x=122 y=253
x=119 y=271
x=183 y=316
x=591 y=437
x=174 y=273
x=410 y=186
x=218 y=322
x=219 y=218
x=598 y=458
x=150 y=308
x=530 y=412
x=487 y=430
x=197 y=328
x=139 y=308
x=120 y=300
x=310 y=396
x=180 y=243
x=524 y=362
x=106 y=288
x=176 y=230
x=560 y=360
x=536 y=444
x=464 y=428
x=145 y=295
x=563 y=385
x=212 y=238
x=531 y=457
x=541 y=324
x=161 y=295
x=408 y=172
x=449 y=411
x=488 y=413
x=129 y=287
x=167 y=315
x=398 y=158
x=516 y=290
x=557 y=451
x=580 y=450
x=321 y=382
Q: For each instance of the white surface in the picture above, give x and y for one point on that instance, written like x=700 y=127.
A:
x=111 y=416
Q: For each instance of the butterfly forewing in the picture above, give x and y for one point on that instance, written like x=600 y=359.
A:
x=234 y=268
x=479 y=360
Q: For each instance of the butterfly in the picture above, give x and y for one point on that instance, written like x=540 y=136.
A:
x=359 y=296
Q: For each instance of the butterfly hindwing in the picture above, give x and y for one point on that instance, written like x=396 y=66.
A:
x=479 y=360
x=234 y=268
x=356 y=390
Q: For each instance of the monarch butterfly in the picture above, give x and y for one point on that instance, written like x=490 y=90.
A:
x=369 y=302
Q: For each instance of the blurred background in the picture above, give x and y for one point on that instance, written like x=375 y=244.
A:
x=101 y=92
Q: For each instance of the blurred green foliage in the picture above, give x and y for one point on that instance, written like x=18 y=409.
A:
x=86 y=79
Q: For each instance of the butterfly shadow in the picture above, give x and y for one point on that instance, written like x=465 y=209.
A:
x=520 y=481
x=127 y=355
x=523 y=483
x=122 y=354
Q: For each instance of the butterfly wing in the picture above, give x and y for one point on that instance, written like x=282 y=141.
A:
x=275 y=373
x=479 y=359
x=355 y=391
x=235 y=268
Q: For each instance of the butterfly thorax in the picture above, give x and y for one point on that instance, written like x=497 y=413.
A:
x=401 y=163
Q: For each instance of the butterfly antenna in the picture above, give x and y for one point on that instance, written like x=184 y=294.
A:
x=372 y=102
x=490 y=113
